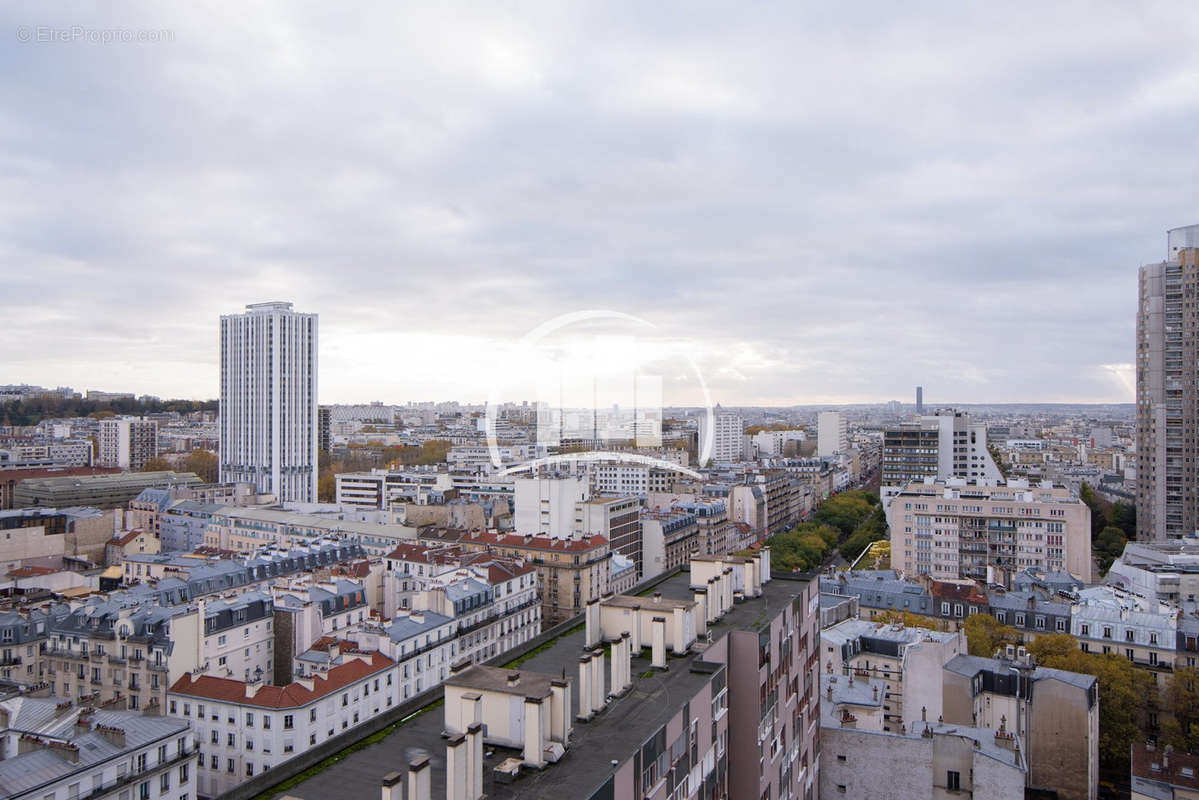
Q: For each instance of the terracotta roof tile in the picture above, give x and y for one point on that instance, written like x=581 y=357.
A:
x=293 y=695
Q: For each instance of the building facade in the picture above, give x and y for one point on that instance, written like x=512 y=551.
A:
x=268 y=404
x=128 y=442
x=1167 y=410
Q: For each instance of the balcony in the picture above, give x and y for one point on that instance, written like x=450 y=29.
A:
x=9 y=661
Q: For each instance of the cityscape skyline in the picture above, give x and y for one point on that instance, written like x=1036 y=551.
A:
x=965 y=239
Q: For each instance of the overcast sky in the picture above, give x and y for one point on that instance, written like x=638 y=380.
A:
x=825 y=205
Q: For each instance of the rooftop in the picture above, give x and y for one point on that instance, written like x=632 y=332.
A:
x=621 y=727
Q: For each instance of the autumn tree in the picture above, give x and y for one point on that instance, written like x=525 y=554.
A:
x=204 y=463
x=156 y=464
x=985 y=635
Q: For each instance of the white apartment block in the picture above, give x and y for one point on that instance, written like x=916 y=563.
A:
x=632 y=479
x=268 y=404
x=725 y=442
x=942 y=445
x=128 y=442
x=773 y=443
x=245 y=729
x=957 y=529
x=546 y=505
x=832 y=433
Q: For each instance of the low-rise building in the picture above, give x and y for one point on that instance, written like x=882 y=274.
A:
x=1163 y=774
x=246 y=728
x=54 y=749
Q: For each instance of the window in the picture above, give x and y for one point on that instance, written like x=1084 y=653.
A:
x=288 y=722
x=953 y=781
x=164 y=782
x=249 y=719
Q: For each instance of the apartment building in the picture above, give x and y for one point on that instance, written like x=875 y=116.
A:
x=61 y=750
x=832 y=433
x=721 y=437
x=381 y=488
x=1163 y=774
x=943 y=445
x=268 y=402
x=1053 y=715
x=1167 y=490
x=48 y=537
x=632 y=479
x=22 y=640
x=546 y=504
x=712 y=521
x=130 y=645
x=569 y=571
x=1160 y=571
x=928 y=760
x=669 y=540
x=127 y=442
x=246 y=530
x=1106 y=620
x=964 y=530
x=617 y=519
x=908 y=661
x=26 y=454
x=734 y=718
x=246 y=728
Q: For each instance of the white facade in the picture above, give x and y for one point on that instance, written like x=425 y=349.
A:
x=268 y=411
x=266 y=725
x=128 y=442
x=727 y=437
x=547 y=505
x=832 y=433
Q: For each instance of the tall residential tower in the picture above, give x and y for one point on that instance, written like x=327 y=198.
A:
x=269 y=400
x=1167 y=335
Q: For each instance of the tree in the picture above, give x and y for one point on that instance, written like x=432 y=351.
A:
x=1052 y=645
x=985 y=635
x=156 y=464
x=910 y=620
x=326 y=488
x=204 y=463
x=1108 y=546
x=1181 y=701
x=1125 y=695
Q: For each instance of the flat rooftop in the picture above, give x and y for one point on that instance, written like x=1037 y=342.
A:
x=622 y=727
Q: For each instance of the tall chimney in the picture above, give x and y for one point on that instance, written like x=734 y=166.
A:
x=701 y=612
x=474 y=761
x=598 y=697
x=584 y=688
x=534 y=752
x=420 y=779
x=594 y=631
x=658 y=653
x=456 y=763
x=393 y=786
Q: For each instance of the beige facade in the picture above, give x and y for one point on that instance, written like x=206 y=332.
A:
x=958 y=530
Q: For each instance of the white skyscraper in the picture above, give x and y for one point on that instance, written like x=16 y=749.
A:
x=269 y=400
x=832 y=433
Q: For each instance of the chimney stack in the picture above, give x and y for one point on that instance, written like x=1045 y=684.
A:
x=534 y=751
x=584 y=688
x=701 y=612
x=594 y=630
x=658 y=652
x=393 y=786
x=420 y=779
x=456 y=763
x=474 y=761
x=598 y=696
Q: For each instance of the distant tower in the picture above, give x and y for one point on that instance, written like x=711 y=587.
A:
x=268 y=419
x=919 y=399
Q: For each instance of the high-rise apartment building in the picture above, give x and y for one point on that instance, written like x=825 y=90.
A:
x=943 y=445
x=1167 y=411
x=919 y=399
x=128 y=442
x=268 y=425
x=832 y=433
x=727 y=435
